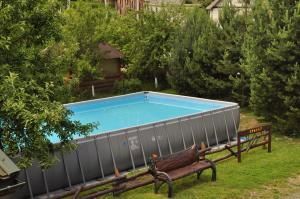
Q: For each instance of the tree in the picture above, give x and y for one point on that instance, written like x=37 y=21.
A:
x=145 y=40
x=33 y=61
x=232 y=24
x=193 y=66
x=272 y=59
x=85 y=29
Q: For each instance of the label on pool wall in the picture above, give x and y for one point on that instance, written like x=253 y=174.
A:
x=133 y=143
x=158 y=138
x=153 y=139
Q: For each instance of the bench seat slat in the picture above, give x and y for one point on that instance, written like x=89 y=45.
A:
x=187 y=170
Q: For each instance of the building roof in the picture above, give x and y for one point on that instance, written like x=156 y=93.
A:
x=220 y=3
x=164 y=1
x=7 y=166
x=213 y=4
x=109 y=52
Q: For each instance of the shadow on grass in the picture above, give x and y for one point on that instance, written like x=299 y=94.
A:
x=189 y=182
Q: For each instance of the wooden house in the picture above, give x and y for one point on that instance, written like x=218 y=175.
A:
x=109 y=66
x=216 y=6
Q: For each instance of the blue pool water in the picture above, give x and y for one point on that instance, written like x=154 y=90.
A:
x=136 y=109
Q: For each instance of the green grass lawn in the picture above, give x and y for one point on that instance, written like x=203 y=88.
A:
x=254 y=177
x=260 y=175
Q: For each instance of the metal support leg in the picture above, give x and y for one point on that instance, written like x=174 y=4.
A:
x=157 y=142
x=99 y=158
x=29 y=184
x=66 y=170
x=235 y=127
x=166 y=131
x=228 y=137
x=205 y=130
x=111 y=152
x=192 y=131
x=184 y=145
x=142 y=147
x=80 y=166
x=130 y=152
x=45 y=183
x=215 y=131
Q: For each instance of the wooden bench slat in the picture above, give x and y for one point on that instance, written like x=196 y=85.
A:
x=179 y=160
x=187 y=170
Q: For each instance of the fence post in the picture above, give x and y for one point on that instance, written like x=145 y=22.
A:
x=270 y=140
x=239 y=147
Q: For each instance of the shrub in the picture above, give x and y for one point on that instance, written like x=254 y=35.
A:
x=128 y=86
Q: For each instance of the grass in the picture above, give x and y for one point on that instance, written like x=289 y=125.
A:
x=260 y=175
x=257 y=171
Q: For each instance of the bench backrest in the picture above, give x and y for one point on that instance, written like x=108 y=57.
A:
x=178 y=160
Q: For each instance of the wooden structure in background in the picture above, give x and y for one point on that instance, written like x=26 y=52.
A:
x=246 y=140
x=8 y=175
x=123 y=5
x=215 y=7
x=255 y=137
x=109 y=66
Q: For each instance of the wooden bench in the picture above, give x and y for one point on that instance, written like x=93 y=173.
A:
x=178 y=165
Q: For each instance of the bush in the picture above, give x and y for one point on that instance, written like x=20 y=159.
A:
x=128 y=86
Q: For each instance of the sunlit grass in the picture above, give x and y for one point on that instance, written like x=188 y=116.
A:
x=236 y=180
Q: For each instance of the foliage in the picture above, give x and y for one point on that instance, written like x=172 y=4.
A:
x=128 y=86
x=40 y=42
x=33 y=62
x=85 y=22
x=145 y=38
x=194 y=58
x=206 y=62
x=272 y=59
x=233 y=28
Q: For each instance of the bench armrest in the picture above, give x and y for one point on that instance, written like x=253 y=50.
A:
x=201 y=151
x=162 y=175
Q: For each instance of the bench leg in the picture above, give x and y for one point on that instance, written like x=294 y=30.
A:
x=198 y=174
x=214 y=173
x=170 y=189
x=156 y=186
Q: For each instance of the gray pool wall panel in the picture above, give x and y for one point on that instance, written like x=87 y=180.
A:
x=97 y=156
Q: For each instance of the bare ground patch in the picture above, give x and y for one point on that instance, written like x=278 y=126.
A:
x=287 y=189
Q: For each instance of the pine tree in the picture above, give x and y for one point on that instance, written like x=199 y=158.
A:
x=194 y=58
x=232 y=25
x=271 y=53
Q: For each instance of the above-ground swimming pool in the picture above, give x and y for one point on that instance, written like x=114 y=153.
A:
x=137 y=109
x=131 y=128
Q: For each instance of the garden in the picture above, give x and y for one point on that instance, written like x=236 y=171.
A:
x=48 y=50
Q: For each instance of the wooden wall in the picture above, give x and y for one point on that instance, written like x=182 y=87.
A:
x=124 y=5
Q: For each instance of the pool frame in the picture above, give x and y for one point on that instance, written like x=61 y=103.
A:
x=97 y=156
